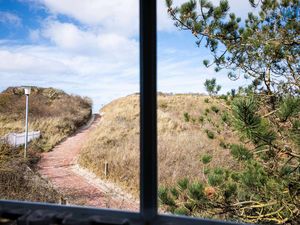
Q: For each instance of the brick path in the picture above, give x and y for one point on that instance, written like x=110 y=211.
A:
x=59 y=167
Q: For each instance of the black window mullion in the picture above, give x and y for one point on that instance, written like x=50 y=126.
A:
x=148 y=121
x=148 y=144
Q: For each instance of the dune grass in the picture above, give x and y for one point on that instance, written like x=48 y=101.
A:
x=182 y=142
x=53 y=112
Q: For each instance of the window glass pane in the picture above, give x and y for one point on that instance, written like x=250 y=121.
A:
x=81 y=62
x=228 y=128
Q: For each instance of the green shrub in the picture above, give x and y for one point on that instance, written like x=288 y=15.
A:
x=254 y=176
x=225 y=117
x=183 y=184
x=174 y=192
x=206 y=100
x=196 y=191
x=224 y=97
x=215 y=179
x=235 y=176
x=210 y=134
x=286 y=170
x=295 y=132
x=164 y=197
x=182 y=211
x=186 y=117
x=206 y=159
x=215 y=109
x=206 y=171
x=230 y=189
x=207 y=110
x=240 y=152
x=223 y=145
x=201 y=119
x=219 y=171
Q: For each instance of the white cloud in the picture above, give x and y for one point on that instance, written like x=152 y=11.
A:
x=118 y=16
x=70 y=37
x=99 y=77
x=34 y=35
x=10 y=18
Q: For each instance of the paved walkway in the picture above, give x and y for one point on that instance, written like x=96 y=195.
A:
x=79 y=186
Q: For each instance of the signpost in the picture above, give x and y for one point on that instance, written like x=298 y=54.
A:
x=27 y=91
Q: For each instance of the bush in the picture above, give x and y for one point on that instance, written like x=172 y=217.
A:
x=215 y=109
x=223 y=145
x=186 y=117
x=224 y=97
x=215 y=179
x=195 y=191
x=210 y=134
x=206 y=100
x=206 y=159
x=201 y=119
x=174 y=192
x=164 y=197
x=182 y=211
x=254 y=175
x=225 y=117
x=240 y=152
x=230 y=190
x=183 y=184
x=295 y=132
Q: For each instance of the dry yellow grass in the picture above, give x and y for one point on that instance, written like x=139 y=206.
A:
x=53 y=112
x=181 y=144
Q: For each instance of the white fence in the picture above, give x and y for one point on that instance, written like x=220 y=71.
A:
x=15 y=139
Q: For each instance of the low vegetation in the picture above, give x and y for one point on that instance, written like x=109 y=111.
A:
x=238 y=162
x=182 y=140
x=265 y=187
x=54 y=113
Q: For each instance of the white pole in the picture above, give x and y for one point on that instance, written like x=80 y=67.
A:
x=26 y=127
x=15 y=140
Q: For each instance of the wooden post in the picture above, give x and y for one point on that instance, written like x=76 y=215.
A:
x=106 y=169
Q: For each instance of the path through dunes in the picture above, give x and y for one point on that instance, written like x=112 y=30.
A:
x=77 y=185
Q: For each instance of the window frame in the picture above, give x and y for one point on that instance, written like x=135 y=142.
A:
x=148 y=213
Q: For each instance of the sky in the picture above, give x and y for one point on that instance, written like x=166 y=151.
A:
x=91 y=48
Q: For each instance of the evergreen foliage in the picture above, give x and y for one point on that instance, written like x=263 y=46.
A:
x=240 y=152
x=264 y=46
x=266 y=114
x=249 y=123
x=290 y=106
x=212 y=87
x=265 y=187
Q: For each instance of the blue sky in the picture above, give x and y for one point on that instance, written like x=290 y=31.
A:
x=90 y=48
